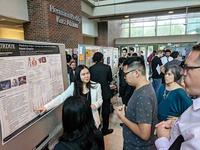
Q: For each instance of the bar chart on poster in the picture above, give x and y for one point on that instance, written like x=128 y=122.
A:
x=30 y=76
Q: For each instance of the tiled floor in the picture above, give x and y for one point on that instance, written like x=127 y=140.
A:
x=114 y=141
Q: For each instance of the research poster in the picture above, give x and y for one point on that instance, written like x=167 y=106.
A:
x=115 y=57
x=30 y=76
x=90 y=50
x=85 y=53
x=107 y=52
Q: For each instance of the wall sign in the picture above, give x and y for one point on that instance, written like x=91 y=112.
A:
x=65 y=18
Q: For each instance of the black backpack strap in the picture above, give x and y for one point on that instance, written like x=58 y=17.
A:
x=177 y=143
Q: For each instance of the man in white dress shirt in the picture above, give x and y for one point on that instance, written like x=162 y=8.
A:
x=188 y=125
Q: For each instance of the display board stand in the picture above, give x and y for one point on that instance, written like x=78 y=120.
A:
x=41 y=129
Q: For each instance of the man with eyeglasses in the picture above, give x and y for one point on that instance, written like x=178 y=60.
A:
x=184 y=133
x=141 y=114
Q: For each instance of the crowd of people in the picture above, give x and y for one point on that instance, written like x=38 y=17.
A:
x=157 y=114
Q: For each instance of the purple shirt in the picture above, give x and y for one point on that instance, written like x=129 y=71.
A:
x=188 y=125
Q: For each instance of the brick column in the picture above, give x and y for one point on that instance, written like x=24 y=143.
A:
x=102 y=39
x=44 y=27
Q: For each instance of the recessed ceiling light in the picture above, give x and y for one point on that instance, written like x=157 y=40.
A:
x=126 y=16
x=170 y=12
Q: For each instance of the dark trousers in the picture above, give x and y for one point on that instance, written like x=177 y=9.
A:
x=105 y=114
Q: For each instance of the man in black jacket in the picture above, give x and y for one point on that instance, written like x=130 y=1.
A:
x=102 y=74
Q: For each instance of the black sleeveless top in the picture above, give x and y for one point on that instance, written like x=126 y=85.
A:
x=88 y=96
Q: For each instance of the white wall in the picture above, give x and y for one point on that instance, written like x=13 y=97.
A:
x=86 y=8
x=89 y=27
x=16 y=9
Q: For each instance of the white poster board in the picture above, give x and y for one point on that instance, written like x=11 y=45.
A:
x=107 y=52
x=30 y=76
x=86 y=52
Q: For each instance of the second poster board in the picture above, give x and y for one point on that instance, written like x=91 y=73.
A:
x=86 y=52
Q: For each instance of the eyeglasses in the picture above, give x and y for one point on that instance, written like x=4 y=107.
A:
x=125 y=73
x=186 y=68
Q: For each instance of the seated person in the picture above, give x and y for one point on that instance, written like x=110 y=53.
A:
x=79 y=130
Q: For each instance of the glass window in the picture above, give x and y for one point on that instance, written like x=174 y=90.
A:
x=125 y=32
x=174 y=24
x=194 y=20
x=178 y=21
x=164 y=22
x=167 y=17
x=179 y=16
x=177 y=29
x=150 y=18
x=193 y=28
x=125 y=20
x=149 y=23
x=149 y=31
x=125 y=25
x=137 y=20
x=163 y=30
x=194 y=15
x=137 y=32
x=138 y=24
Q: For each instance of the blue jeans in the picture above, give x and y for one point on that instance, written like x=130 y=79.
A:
x=156 y=84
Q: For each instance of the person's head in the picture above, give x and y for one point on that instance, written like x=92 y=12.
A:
x=134 y=54
x=79 y=125
x=82 y=74
x=132 y=50
x=129 y=55
x=97 y=57
x=14 y=81
x=172 y=74
x=68 y=58
x=191 y=71
x=175 y=54
x=124 y=52
x=75 y=56
x=167 y=52
x=82 y=77
x=134 y=70
x=159 y=53
x=76 y=116
x=73 y=64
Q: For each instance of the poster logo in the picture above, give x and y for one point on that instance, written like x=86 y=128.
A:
x=7 y=46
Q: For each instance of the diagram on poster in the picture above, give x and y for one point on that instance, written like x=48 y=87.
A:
x=30 y=76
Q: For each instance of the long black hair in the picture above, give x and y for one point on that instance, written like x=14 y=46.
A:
x=79 y=126
x=78 y=83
